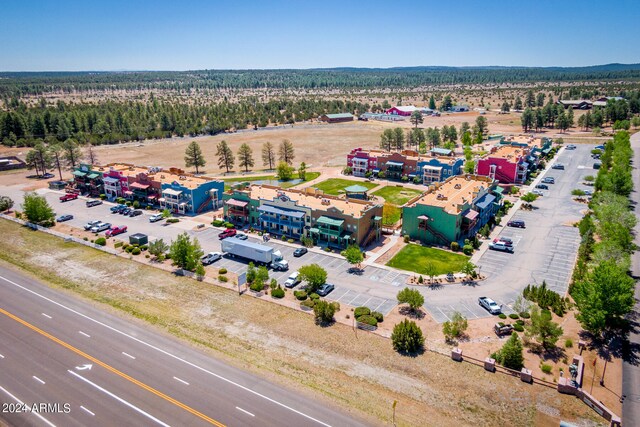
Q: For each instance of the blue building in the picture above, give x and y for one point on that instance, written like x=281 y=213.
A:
x=190 y=195
x=439 y=169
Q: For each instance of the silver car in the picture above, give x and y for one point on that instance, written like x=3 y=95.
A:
x=101 y=227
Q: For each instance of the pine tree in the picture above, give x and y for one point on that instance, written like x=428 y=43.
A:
x=416 y=118
x=432 y=103
x=530 y=100
x=510 y=355
x=527 y=119
x=286 y=153
x=71 y=152
x=517 y=104
x=245 y=157
x=225 y=156
x=193 y=156
x=56 y=152
x=268 y=155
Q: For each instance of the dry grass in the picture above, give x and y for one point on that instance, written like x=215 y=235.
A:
x=363 y=374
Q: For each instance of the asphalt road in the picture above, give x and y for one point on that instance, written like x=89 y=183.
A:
x=55 y=349
x=631 y=364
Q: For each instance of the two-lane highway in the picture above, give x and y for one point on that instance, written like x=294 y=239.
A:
x=94 y=368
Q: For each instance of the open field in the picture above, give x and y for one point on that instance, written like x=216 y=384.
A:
x=363 y=374
x=396 y=194
x=336 y=186
x=416 y=258
x=228 y=182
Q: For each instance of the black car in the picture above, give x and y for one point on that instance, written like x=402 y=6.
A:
x=516 y=223
x=542 y=186
x=299 y=252
x=63 y=218
x=125 y=211
x=92 y=203
x=136 y=212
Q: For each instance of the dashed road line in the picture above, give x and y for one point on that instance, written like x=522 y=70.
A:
x=245 y=411
x=85 y=334
x=88 y=411
x=182 y=381
x=46 y=315
x=129 y=356
x=38 y=379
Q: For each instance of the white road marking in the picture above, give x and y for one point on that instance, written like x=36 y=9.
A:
x=85 y=334
x=46 y=421
x=38 y=379
x=182 y=381
x=1 y=356
x=88 y=411
x=119 y=399
x=129 y=356
x=46 y=315
x=173 y=356
x=245 y=411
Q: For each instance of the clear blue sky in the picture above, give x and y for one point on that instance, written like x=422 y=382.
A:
x=175 y=35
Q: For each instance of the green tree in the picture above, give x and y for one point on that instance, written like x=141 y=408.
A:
x=398 y=138
x=57 y=157
x=302 y=171
x=412 y=297
x=185 y=253
x=469 y=166
x=284 y=172
x=353 y=255
x=158 y=247
x=529 y=197
x=225 y=156
x=91 y=155
x=543 y=329
x=464 y=128
x=200 y=271
x=166 y=213
x=407 y=337
x=505 y=107
x=527 y=119
x=416 y=118
x=6 y=203
x=469 y=269
x=510 y=355
x=466 y=139
x=72 y=152
x=432 y=103
x=390 y=213
x=37 y=210
x=323 y=312
x=447 y=103
x=430 y=270
x=482 y=125
x=540 y=99
x=314 y=275
x=387 y=139
x=604 y=297
x=286 y=153
x=455 y=327
x=530 y=100
x=517 y=104
x=42 y=157
x=193 y=156
x=268 y=155
x=245 y=157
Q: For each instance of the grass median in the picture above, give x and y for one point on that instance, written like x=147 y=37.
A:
x=417 y=258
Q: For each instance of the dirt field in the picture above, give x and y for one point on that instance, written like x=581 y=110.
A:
x=359 y=372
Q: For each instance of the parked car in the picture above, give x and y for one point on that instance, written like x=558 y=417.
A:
x=155 y=217
x=126 y=211
x=116 y=230
x=506 y=240
x=299 y=252
x=499 y=246
x=588 y=192
x=210 y=258
x=558 y=166
x=490 y=305
x=450 y=277
x=518 y=223
x=68 y=196
x=242 y=236
x=597 y=165
x=63 y=218
x=227 y=233
x=100 y=227
x=542 y=186
x=88 y=226
x=293 y=280
x=599 y=147
x=571 y=147
x=538 y=193
x=136 y=212
x=549 y=180
x=117 y=208
x=324 y=290
x=502 y=330
x=92 y=203
x=595 y=156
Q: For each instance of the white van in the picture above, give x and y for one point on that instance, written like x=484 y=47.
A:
x=293 y=280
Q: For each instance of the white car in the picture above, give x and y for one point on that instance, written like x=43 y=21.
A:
x=100 y=227
x=490 y=305
x=538 y=193
x=292 y=280
x=155 y=217
x=88 y=226
x=210 y=258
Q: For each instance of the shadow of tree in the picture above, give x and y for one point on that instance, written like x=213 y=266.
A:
x=412 y=314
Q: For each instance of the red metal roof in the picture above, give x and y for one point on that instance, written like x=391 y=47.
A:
x=139 y=186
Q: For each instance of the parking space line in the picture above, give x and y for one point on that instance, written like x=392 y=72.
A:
x=443 y=314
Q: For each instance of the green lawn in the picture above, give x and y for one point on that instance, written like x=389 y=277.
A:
x=336 y=186
x=228 y=182
x=397 y=195
x=415 y=258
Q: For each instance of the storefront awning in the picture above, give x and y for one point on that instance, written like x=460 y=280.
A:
x=471 y=215
x=376 y=171
x=485 y=201
x=152 y=196
x=128 y=193
x=423 y=217
x=171 y=192
x=162 y=199
x=139 y=186
x=279 y=211
x=93 y=175
x=237 y=203
x=79 y=174
x=325 y=220
x=111 y=180
x=395 y=164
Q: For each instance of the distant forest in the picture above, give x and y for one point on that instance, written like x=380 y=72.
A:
x=17 y=84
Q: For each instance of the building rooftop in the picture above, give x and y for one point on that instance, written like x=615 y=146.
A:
x=164 y=176
x=508 y=152
x=309 y=197
x=525 y=139
x=452 y=194
x=339 y=115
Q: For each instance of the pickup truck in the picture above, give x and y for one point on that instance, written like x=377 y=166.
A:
x=490 y=305
x=116 y=230
x=227 y=233
x=501 y=329
x=68 y=196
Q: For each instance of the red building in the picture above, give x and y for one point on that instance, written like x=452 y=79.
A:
x=402 y=110
x=507 y=164
x=394 y=165
x=361 y=160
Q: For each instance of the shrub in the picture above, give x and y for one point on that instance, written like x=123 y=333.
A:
x=277 y=292
x=546 y=368
x=546 y=298
x=223 y=278
x=144 y=247
x=222 y=271
x=289 y=240
x=103 y=196
x=323 y=312
x=519 y=322
x=568 y=343
x=467 y=250
x=228 y=225
x=455 y=246
x=101 y=241
x=136 y=251
x=283 y=238
x=257 y=286
x=128 y=203
x=367 y=320
x=118 y=244
x=514 y=316
x=147 y=256
x=314 y=296
x=217 y=222
x=167 y=256
x=525 y=315
x=407 y=337
x=336 y=306
x=300 y=295
x=407 y=238
x=518 y=327
x=136 y=204
x=361 y=311
x=502 y=316
x=378 y=316
x=455 y=327
x=273 y=284
x=172 y=220
x=308 y=303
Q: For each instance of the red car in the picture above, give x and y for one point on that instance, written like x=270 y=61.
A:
x=116 y=230
x=68 y=196
x=229 y=233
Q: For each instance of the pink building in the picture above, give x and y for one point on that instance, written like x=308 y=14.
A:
x=115 y=183
x=361 y=160
x=402 y=110
x=506 y=163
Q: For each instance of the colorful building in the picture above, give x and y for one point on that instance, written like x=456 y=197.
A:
x=451 y=211
x=296 y=214
x=508 y=164
x=439 y=168
x=88 y=180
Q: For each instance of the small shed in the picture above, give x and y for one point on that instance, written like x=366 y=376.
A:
x=57 y=185
x=138 y=239
x=337 y=118
x=357 y=192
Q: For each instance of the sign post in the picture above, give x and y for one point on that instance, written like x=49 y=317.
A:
x=242 y=279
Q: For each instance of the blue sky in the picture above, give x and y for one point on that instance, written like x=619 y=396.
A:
x=175 y=35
